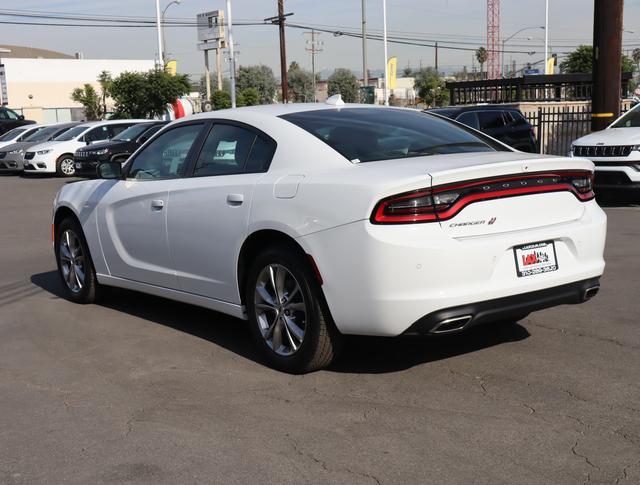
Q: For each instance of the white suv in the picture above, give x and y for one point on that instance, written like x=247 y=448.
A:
x=615 y=153
x=56 y=156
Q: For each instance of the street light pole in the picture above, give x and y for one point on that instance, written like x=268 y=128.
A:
x=386 y=54
x=365 y=76
x=546 y=35
x=159 y=26
x=513 y=35
x=232 y=59
x=164 y=37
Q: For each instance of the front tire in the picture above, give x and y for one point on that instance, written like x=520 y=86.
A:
x=288 y=317
x=65 y=166
x=75 y=267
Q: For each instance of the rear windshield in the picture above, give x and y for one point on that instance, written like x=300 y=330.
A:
x=630 y=120
x=10 y=135
x=371 y=134
x=72 y=133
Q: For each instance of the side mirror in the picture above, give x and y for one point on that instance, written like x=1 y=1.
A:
x=21 y=117
x=110 y=170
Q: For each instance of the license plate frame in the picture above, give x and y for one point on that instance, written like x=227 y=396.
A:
x=535 y=258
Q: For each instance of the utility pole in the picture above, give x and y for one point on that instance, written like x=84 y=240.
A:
x=314 y=49
x=232 y=59
x=207 y=74
x=279 y=19
x=365 y=75
x=607 y=51
x=386 y=54
x=436 y=55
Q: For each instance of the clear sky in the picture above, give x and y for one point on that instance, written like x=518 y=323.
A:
x=452 y=22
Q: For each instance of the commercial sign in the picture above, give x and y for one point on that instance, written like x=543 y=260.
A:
x=4 y=95
x=211 y=29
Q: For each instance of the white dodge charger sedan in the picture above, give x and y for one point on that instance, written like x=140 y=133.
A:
x=315 y=221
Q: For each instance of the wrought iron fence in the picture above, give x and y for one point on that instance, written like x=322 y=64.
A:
x=556 y=127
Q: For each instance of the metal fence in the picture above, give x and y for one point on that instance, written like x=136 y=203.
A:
x=556 y=127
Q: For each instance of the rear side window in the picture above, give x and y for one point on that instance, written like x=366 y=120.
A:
x=490 y=120
x=470 y=119
x=371 y=134
x=231 y=149
x=3 y=114
x=97 y=134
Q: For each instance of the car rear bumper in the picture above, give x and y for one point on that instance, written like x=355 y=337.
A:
x=462 y=317
x=381 y=280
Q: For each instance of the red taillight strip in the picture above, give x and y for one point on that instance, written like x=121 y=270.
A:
x=379 y=217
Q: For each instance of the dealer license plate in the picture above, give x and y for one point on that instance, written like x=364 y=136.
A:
x=535 y=258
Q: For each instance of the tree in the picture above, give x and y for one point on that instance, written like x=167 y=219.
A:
x=431 y=87
x=251 y=96
x=221 y=100
x=259 y=77
x=89 y=99
x=482 y=55
x=407 y=71
x=635 y=55
x=146 y=95
x=344 y=82
x=581 y=60
x=104 y=79
x=300 y=82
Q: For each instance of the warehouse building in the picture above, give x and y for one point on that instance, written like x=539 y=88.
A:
x=38 y=82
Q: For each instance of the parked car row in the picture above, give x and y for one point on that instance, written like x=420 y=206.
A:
x=73 y=148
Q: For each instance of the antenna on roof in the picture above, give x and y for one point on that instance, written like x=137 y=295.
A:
x=335 y=100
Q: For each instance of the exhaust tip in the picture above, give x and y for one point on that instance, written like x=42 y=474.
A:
x=591 y=292
x=455 y=324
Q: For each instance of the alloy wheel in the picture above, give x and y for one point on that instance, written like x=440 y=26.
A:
x=67 y=166
x=72 y=261
x=280 y=309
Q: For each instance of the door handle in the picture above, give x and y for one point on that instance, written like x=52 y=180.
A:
x=157 y=204
x=235 y=199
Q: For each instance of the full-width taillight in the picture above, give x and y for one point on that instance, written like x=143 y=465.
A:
x=444 y=202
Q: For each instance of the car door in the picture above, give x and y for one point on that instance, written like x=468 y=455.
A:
x=209 y=211
x=132 y=213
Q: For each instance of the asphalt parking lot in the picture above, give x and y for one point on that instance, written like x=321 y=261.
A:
x=142 y=390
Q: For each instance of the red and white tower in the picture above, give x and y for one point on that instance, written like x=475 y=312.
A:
x=493 y=39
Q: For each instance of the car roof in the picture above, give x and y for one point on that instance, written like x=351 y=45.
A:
x=88 y=124
x=478 y=107
x=288 y=108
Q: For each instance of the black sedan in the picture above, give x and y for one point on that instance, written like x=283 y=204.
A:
x=118 y=149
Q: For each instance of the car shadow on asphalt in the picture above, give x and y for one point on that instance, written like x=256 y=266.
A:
x=366 y=355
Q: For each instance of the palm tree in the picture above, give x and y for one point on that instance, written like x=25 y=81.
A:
x=482 y=55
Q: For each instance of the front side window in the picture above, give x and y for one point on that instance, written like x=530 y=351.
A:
x=12 y=115
x=630 y=120
x=490 y=120
x=4 y=114
x=371 y=134
x=225 y=151
x=165 y=157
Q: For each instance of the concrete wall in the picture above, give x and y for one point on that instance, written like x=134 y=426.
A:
x=42 y=87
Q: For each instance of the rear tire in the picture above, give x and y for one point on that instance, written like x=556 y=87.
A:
x=75 y=267
x=289 y=319
x=65 y=166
